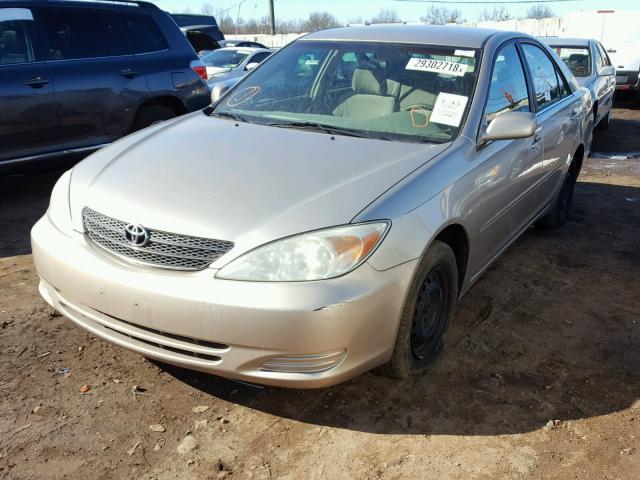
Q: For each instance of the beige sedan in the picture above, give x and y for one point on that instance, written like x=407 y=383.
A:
x=326 y=214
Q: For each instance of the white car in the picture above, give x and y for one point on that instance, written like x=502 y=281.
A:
x=233 y=62
x=591 y=66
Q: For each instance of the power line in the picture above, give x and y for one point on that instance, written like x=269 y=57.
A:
x=233 y=6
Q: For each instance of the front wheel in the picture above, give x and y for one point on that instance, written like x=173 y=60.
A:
x=427 y=311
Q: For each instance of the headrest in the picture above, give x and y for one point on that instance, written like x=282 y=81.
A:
x=577 y=57
x=364 y=81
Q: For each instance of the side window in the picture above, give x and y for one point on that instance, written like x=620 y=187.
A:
x=599 y=61
x=16 y=33
x=565 y=91
x=259 y=57
x=343 y=75
x=117 y=42
x=144 y=34
x=508 y=89
x=545 y=79
x=74 y=34
x=605 y=57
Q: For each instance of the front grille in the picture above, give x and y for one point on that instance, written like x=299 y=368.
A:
x=163 y=249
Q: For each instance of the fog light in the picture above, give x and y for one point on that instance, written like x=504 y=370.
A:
x=313 y=363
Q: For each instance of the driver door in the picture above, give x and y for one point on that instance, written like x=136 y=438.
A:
x=503 y=166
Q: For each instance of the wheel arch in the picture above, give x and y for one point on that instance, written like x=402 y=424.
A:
x=168 y=101
x=576 y=161
x=457 y=238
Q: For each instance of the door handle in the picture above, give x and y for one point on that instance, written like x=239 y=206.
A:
x=128 y=72
x=536 y=136
x=36 y=81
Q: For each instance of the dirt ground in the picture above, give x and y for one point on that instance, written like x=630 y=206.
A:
x=539 y=379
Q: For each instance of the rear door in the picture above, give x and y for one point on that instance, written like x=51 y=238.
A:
x=28 y=123
x=557 y=112
x=98 y=82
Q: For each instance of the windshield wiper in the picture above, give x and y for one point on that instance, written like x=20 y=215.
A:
x=231 y=116
x=320 y=127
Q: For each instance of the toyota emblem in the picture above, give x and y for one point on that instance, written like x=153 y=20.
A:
x=136 y=235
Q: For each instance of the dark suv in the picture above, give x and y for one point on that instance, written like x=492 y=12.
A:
x=75 y=76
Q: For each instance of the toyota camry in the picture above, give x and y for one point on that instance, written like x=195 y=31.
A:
x=324 y=216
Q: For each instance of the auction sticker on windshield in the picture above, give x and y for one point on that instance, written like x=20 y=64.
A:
x=437 y=66
x=448 y=109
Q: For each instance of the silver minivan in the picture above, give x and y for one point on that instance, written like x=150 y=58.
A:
x=326 y=214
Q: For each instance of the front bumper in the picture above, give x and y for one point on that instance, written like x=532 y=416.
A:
x=299 y=334
x=627 y=80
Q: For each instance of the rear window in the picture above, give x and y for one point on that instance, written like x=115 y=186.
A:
x=144 y=33
x=74 y=34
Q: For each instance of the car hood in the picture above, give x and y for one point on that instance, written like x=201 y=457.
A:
x=223 y=77
x=250 y=184
x=217 y=70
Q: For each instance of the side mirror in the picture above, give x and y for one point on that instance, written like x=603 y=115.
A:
x=510 y=126
x=607 y=71
x=218 y=91
x=251 y=66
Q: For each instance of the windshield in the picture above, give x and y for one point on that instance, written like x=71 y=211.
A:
x=578 y=59
x=224 y=58
x=378 y=90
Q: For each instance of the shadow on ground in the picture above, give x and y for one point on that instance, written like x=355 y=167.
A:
x=551 y=331
x=23 y=200
x=622 y=134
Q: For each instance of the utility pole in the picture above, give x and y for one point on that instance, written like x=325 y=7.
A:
x=272 y=18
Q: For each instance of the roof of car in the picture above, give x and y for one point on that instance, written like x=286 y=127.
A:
x=100 y=4
x=560 y=41
x=427 y=34
x=242 y=49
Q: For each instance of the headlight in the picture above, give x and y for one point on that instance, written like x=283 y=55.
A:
x=59 y=211
x=310 y=256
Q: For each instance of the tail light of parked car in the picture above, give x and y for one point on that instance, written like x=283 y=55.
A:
x=200 y=68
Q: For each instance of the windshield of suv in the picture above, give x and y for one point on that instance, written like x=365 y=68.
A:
x=224 y=58
x=578 y=59
x=379 y=90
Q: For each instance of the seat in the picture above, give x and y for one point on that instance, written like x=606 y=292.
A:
x=368 y=100
x=579 y=64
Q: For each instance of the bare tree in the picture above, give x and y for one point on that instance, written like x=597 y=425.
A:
x=290 y=26
x=386 y=15
x=320 y=21
x=495 y=14
x=207 y=9
x=442 y=16
x=539 y=11
x=355 y=20
x=226 y=23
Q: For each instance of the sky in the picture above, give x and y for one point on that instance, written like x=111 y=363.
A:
x=410 y=11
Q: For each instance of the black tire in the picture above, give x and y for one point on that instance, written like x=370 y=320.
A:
x=151 y=114
x=426 y=314
x=559 y=213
